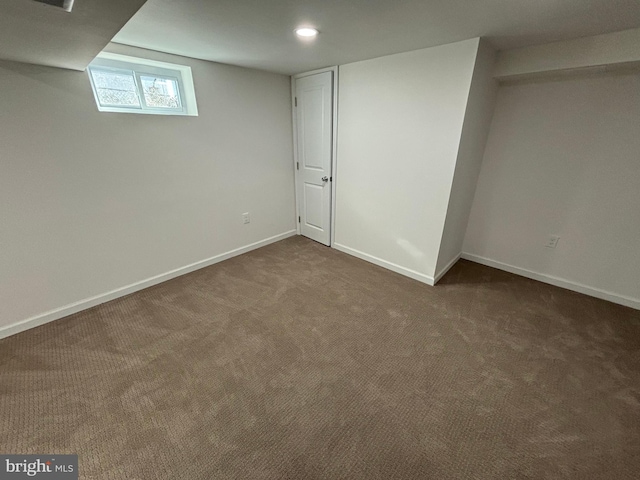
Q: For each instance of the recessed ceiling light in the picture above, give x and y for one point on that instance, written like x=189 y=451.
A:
x=306 y=32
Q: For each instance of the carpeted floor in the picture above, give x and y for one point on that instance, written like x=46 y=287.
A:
x=296 y=361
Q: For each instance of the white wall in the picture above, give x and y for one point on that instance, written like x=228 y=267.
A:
x=399 y=124
x=91 y=202
x=563 y=158
x=610 y=49
x=477 y=121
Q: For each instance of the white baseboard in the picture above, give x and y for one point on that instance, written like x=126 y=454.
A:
x=407 y=272
x=75 y=307
x=446 y=268
x=558 y=282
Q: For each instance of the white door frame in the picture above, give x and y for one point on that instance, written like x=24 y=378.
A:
x=334 y=147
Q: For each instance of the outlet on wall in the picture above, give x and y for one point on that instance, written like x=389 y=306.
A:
x=246 y=218
x=552 y=241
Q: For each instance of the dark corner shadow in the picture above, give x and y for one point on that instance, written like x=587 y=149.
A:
x=465 y=272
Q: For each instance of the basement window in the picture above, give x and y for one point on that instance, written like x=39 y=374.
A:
x=135 y=85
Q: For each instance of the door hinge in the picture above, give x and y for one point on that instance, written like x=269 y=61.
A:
x=331 y=179
x=296 y=100
x=298 y=219
x=297 y=165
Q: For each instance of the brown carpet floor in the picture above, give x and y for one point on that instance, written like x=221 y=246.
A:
x=296 y=361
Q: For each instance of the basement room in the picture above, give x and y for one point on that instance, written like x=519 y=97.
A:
x=319 y=239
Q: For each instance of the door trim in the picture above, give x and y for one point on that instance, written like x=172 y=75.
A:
x=334 y=146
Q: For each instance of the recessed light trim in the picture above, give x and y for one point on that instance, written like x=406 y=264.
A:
x=307 y=32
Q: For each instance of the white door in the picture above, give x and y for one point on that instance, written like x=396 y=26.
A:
x=314 y=119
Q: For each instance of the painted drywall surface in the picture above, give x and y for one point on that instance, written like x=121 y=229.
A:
x=91 y=202
x=259 y=34
x=562 y=158
x=41 y=34
x=475 y=131
x=608 y=49
x=399 y=124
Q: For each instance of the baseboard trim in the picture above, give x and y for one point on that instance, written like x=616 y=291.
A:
x=446 y=268
x=75 y=307
x=407 y=272
x=558 y=282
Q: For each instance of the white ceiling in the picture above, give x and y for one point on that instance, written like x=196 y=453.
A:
x=259 y=33
x=32 y=32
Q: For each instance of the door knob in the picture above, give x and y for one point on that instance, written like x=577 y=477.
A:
x=325 y=179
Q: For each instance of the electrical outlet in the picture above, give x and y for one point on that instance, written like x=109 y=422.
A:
x=552 y=241
x=245 y=218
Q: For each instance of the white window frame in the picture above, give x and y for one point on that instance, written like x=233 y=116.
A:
x=143 y=67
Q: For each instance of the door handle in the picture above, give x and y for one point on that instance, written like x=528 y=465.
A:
x=325 y=179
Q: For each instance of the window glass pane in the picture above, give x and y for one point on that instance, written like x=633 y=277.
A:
x=135 y=85
x=160 y=92
x=115 y=88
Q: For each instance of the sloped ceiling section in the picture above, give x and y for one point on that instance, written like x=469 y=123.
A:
x=41 y=34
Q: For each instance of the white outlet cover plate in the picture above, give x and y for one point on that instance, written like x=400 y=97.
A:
x=552 y=241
